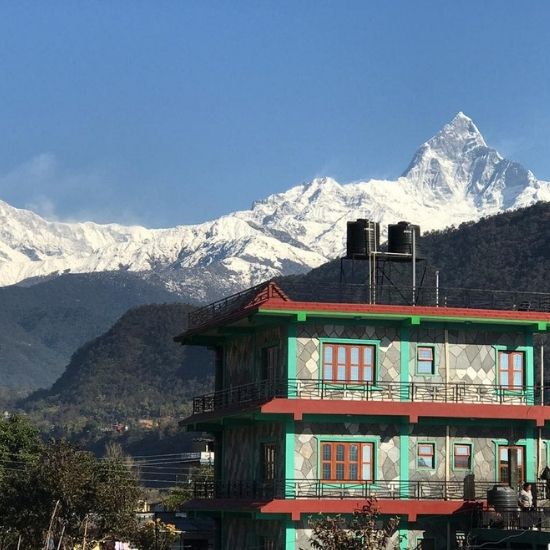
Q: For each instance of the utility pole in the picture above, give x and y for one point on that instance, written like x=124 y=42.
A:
x=85 y=532
x=47 y=546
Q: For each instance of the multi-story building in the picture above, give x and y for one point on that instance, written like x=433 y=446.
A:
x=323 y=400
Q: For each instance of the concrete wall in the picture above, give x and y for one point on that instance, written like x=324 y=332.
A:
x=242 y=356
x=242 y=448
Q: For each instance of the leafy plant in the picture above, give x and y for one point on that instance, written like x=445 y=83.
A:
x=363 y=531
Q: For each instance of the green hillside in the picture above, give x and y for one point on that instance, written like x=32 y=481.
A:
x=42 y=325
x=134 y=370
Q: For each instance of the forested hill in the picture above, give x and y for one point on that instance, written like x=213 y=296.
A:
x=134 y=370
x=42 y=324
x=509 y=251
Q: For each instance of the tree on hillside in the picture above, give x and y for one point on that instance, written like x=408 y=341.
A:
x=63 y=492
x=117 y=495
x=360 y=532
x=20 y=450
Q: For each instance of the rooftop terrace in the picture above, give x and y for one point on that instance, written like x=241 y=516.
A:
x=345 y=293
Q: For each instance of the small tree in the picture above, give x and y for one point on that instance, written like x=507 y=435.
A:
x=183 y=492
x=156 y=535
x=360 y=532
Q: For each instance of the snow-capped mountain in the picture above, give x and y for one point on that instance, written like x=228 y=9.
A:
x=453 y=177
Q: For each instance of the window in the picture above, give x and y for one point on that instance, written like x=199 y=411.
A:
x=270 y=362
x=351 y=363
x=425 y=362
x=504 y=466
x=510 y=369
x=462 y=456
x=425 y=456
x=347 y=461
x=269 y=452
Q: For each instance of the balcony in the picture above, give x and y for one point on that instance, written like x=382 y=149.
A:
x=292 y=489
x=257 y=393
x=302 y=497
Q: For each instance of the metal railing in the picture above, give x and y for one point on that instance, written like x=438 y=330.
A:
x=465 y=490
x=422 y=392
x=469 y=298
x=538 y=518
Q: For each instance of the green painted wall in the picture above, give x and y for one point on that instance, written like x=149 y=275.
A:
x=404 y=361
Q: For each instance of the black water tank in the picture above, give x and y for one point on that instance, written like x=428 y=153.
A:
x=400 y=237
x=363 y=236
x=502 y=498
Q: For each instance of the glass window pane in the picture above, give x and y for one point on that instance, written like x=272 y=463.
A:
x=340 y=452
x=518 y=380
x=354 y=374
x=341 y=355
x=367 y=374
x=425 y=353
x=328 y=354
x=353 y=471
x=425 y=367
x=504 y=378
x=340 y=471
x=503 y=360
x=518 y=361
x=326 y=471
x=354 y=355
x=367 y=452
x=328 y=372
x=326 y=452
x=368 y=355
x=341 y=373
x=424 y=462
x=367 y=472
x=354 y=453
x=425 y=449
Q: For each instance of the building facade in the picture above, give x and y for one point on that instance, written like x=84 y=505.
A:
x=322 y=403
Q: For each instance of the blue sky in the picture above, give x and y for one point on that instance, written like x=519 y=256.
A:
x=166 y=113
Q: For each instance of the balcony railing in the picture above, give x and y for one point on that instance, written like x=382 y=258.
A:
x=465 y=490
x=470 y=298
x=521 y=520
x=423 y=392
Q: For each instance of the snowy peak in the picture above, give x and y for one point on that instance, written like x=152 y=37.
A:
x=457 y=164
x=457 y=138
x=452 y=178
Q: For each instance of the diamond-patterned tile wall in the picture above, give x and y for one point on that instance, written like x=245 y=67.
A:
x=308 y=347
x=308 y=435
x=483 y=446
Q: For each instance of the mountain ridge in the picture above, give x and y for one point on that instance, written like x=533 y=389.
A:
x=453 y=177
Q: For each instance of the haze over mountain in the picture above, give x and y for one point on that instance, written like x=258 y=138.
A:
x=452 y=178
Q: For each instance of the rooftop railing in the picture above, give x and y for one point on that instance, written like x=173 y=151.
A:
x=465 y=490
x=424 y=392
x=470 y=298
